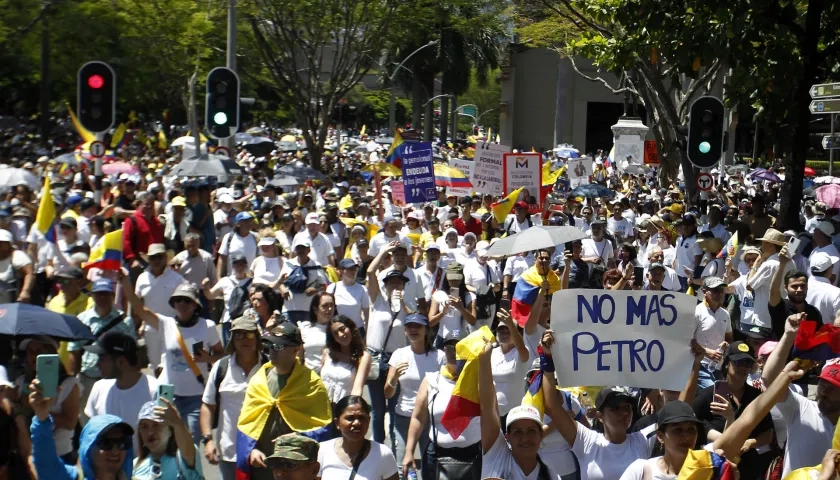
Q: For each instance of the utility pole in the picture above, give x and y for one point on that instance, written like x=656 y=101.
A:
x=45 y=72
x=454 y=123
x=230 y=59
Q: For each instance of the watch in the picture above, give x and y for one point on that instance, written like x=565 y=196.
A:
x=206 y=439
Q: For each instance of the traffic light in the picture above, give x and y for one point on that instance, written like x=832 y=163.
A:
x=705 y=132
x=96 y=96
x=222 y=103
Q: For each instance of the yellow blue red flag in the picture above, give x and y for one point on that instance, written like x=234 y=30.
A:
x=527 y=291
x=464 y=403
x=47 y=218
x=107 y=254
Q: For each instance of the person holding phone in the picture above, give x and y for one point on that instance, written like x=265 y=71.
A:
x=453 y=306
x=165 y=444
x=719 y=405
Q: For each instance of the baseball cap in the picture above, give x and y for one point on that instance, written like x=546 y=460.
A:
x=454 y=271
x=454 y=335
x=432 y=246
x=676 y=208
x=225 y=198
x=147 y=412
x=348 y=263
x=71 y=273
x=68 y=222
x=754 y=331
x=713 y=282
x=364 y=243
x=826 y=227
x=520 y=204
x=689 y=219
x=292 y=447
x=395 y=274
x=313 y=218
x=242 y=216
x=285 y=333
x=610 y=396
x=655 y=265
x=238 y=257
x=267 y=240
x=821 y=261
x=416 y=318
x=116 y=344
x=156 y=249
x=302 y=241
x=675 y=412
x=739 y=351
x=831 y=374
x=179 y=201
x=102 y=285
x=523 y=412
x=767 y=348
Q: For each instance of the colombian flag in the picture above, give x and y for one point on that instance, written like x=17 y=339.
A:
x=534 y=395
x=730 y=249
x=816 y=342
x=464 y=403
x=395 y=151
x=47 y=218
x=107 y=254
x=448 y=176
x=705 y=465
x=502 y=208
x=303 y=403
x=119 y=137
x=527 y=290
x=549 y=177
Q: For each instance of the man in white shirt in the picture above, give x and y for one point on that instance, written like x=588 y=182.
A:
x=761 y=275
x=123 y=388
x=519 y=220
x=389 y=233
x=618 y=226
x=413 y=293
x=321 y=249
x=688 y=253
x=715 y=226
x=296 y=306
x=713 y=329
x=822 y=294
x=598 y=250
x=822 y=243
x=430 y=274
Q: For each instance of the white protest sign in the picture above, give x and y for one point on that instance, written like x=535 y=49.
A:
x=578 y=170
x=466 y=166
x=524 y=170
x=628 y=338
x=488 y=168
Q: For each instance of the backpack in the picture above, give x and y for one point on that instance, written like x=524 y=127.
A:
x=217 y=381
x=239 y=300
x=298 y=278
x=485 y=299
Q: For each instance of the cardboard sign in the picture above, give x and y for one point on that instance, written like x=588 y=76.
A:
x=579 y=170
x=397 y=193
x=630 y=338
x=651 y=153
x=524 y=170
x=418 y=172
x=466 y=166
x=488 y=168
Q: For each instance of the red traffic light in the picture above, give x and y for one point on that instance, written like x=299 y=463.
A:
x=96 y=81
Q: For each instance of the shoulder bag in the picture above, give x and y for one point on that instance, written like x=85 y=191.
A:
x=378 y=358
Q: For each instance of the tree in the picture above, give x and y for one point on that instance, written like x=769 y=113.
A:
x=315 y=51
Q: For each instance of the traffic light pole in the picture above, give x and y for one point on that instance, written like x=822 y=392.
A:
x=97 y=174
x=230 y=59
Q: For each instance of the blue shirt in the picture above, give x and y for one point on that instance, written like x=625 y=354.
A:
x=170 y=467
x=208 y=228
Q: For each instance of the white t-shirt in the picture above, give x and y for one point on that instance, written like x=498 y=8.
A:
x=809 y=430
x=600 y=459
x=710 y=327
x=231 y=396
x=418 y=367
x=320 y=247
x=176 y=371
x=300 y=302
x=350 y=301
x=379 y=463
x=620 y=228
x=314 y=340
x=338 y=378
x=591 y=248
x=746 y=298
x=509 y=378
x=378 y=323
x=413 y=290
x=555 y=451
x=227 y=285
x=106 y=398
x=266 y=270
x=452 y=320
x=156 y=291
x=498 y=462
x=636 y=470
x=234 y=243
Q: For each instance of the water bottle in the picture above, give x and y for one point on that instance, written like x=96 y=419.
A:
x=412 y=474
x=396 y=303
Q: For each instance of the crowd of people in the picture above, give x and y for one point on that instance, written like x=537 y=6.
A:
x=251 y=323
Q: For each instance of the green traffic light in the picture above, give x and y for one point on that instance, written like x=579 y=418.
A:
x=704 y=147
x=220 y=118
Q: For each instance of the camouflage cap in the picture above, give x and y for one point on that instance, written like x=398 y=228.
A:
x=294 y=447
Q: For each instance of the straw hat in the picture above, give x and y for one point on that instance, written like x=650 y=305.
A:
x=712 y=244
x=774 y=236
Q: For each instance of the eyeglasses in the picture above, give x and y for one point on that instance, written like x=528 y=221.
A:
x=269 y=347
x=326 y=306
x=108 y=444
x=246 y=334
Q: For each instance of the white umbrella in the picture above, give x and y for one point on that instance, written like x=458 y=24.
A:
x=180 y=142
x=12 y=177
x=535 y=238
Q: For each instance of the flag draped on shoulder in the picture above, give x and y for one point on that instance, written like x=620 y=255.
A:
x=527 y=291
x=464 y=404
x=107 y=254
x=706 y=465
x=502 y=208
x=303 y=403
x=47 y=217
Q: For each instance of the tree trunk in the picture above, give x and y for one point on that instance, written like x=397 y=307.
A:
x=417 y=99
x=429 y=111
x=444 y=118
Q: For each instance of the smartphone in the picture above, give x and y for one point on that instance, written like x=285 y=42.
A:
x=165 y=391
x=793 y=245
x=197 y=347
x=638 y=276
x=698 y=271
x=722 y=389
x=505 y=304
x=454 y=292
x=46 y=371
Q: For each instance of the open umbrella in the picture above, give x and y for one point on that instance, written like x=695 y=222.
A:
x=829 y=195
x=117 y=168
x=302 y=171
x=207 y=165
x=288 y=138
x=70 y=159
x=535 y=238
x=733 y=169
x=449 y=176
x=567 y=151
x=255 y=131
x=180 y=142
x=810 y=172
x=12 y=177
x=285 y=181
x=287 y=146
x=19 y=319
x=767 y=176
x=591 y=190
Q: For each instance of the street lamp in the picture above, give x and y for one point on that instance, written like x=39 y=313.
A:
x=392 y=106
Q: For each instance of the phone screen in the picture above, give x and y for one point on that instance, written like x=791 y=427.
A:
x=638 y=276
x=454 y=292
x=166 y=391
x=505 y=304
x=722 y=388
x=46 y=371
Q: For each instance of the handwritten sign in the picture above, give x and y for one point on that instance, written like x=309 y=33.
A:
x=487 y=173
x=629 y=338
x=466 y=166
x=397 y=193
x=524 y=170
x=418 y=172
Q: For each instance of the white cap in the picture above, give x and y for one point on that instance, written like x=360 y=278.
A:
x=267 y=241
x=344 y=184
x=826 y=228
x=301 y=241
x=523 y=412
x=821 y=261
x=225 y=198
x=416 y=215
x=313 y=218
x=6 y=236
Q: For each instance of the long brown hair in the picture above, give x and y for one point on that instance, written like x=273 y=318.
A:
x=357 y=345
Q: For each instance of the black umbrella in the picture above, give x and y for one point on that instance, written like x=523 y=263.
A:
x=261 y=149
x=207 y=165
x=21 y=319
x=302 y=172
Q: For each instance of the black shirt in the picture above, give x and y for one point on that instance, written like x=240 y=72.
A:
x=784 y=309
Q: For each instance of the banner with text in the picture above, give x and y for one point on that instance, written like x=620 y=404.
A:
x=418 y=172
x=466 y=166
x=488 y=168
x=629 y=338
x=524 y=170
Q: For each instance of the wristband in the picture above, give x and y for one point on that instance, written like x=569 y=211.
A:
x=546 y=360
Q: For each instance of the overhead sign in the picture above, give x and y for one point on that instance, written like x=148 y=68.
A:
x=466 y=166
x=825 y=90
x=397 y=193
x=705 y=182
x=97 y=149
x=651 y=153
x=825 y=106
x=489 y=168
x=418 y=172
x=579 y=170
x=524 y=170
x=470 y=111
x=830 y=142
x=632 y=338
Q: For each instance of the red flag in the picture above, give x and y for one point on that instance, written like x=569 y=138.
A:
x=816 y=342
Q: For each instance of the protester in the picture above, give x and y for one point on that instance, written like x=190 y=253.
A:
x=314 y=329
x=233 y=289
x=351 y=298
x=165 y=444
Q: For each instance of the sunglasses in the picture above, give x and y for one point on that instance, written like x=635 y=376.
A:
x=239 y=335
x=269 y=347
x=108 y=444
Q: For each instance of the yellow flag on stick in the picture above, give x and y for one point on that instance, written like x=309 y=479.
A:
x=502 y=208
x=83 y=132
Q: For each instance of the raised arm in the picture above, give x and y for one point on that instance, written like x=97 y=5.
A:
x=490 y=423
x=778 y=276
x=373 y=268
x=690 y=390
x=505 y=318
x=419 y=417
x=138 y=309
x=561 y=419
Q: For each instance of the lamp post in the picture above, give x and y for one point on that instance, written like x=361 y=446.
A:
x=392 y=106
